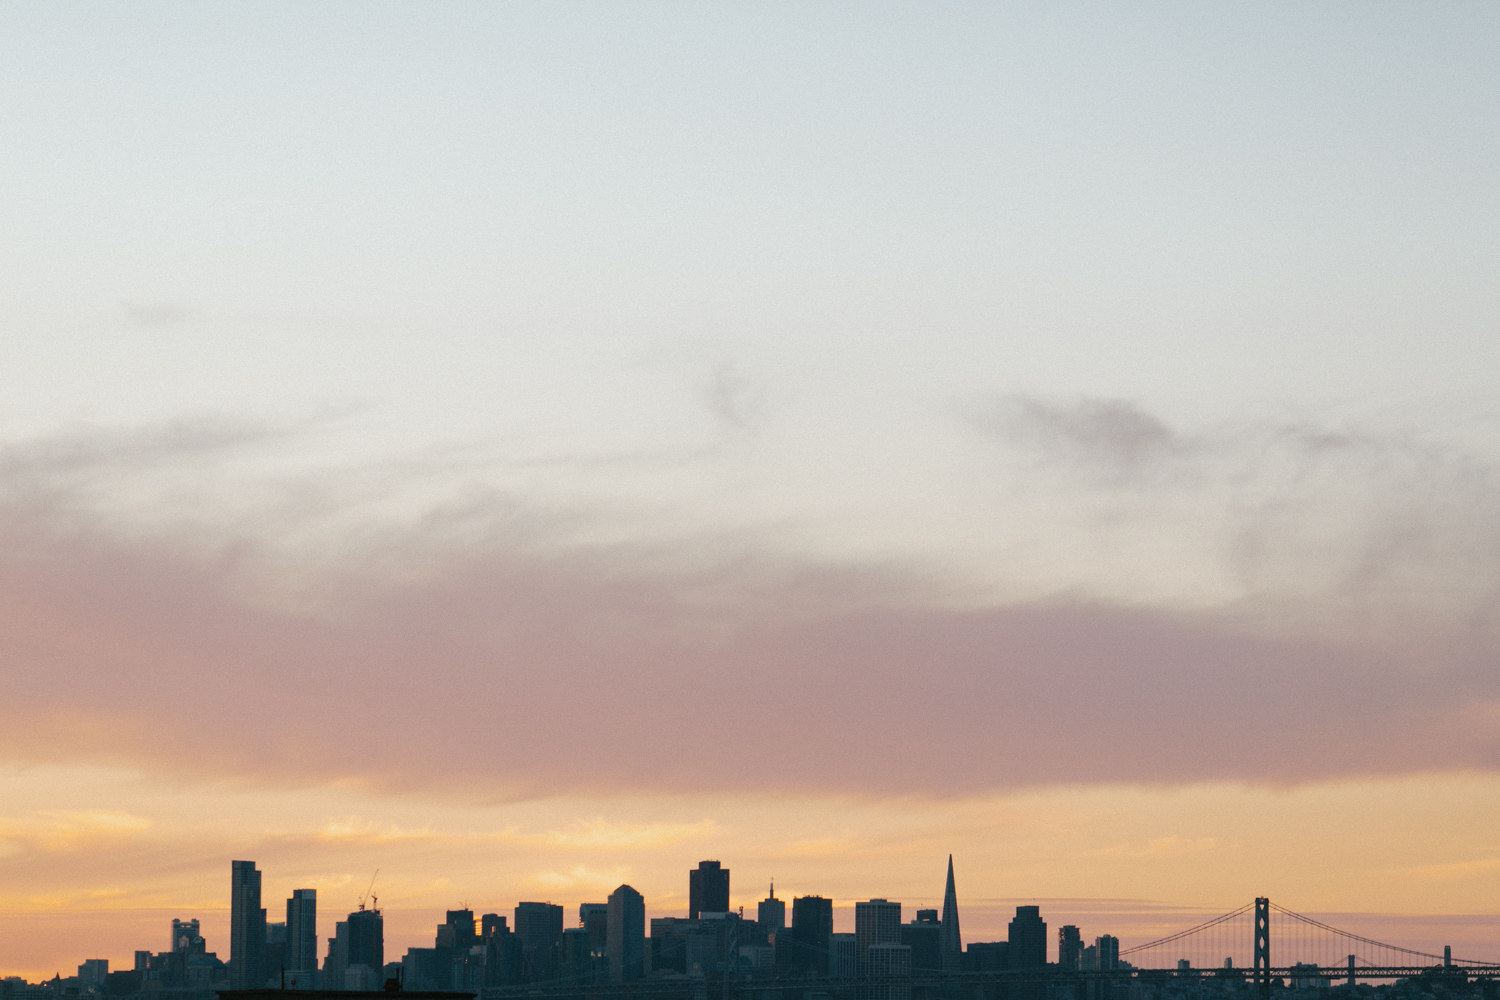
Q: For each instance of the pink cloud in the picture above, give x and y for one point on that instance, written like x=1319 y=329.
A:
x=522 y=674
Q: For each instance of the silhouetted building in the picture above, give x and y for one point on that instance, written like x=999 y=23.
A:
x=92 y=974
x=708 y=889
x=185 y=939
x=627 y=934
x=364 y=965
x=1107 y=949
x=924 y=937
x=807 y=945
x=247 y=927
x=843 y=956
x=538 y=927
x=575 y=958
x=594 y=918
x=987 y=956
x=771 y=913
x=951 y=945
x=502 y=952
x=889 y=968
x=302 y=931
x=1069 y=948
x=457 y=930
x=1028 y=939
x=275 y=954
x=876 y=921
x=337 y=958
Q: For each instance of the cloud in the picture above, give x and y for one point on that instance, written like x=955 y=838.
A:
x=510 y=663
x=1110 y=435
x=733 y=397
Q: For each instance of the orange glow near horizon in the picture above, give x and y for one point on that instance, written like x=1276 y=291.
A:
x=115 y=855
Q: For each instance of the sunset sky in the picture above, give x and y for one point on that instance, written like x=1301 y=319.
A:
x=529 y=448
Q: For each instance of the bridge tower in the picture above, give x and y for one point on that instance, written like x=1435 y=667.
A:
x=1262 y=948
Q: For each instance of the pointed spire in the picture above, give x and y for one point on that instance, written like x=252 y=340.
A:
x=950 y=941
x=773 y=888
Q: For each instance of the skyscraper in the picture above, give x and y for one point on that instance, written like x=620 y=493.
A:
x=1028 y=939
x=771 y=914
x=302 y=931
x=1069 y=948
x=1107 y=947
x=812 y=928
x=708 y=889
x=538 y=927
x=951 y=943
x=366 y=948
x=627 y=934
x=247 y=927
x=876 y=921
x=594 y=918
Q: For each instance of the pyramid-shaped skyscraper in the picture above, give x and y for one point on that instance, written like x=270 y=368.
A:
x=950 y=941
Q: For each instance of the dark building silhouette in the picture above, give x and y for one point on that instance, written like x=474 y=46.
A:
x=185 y=939
x=951 y=945
x=1028 y=950
x=275 y=953
x=457 y=930
x=627 y=934
x=807 y=945
x=771 y=913
x=594 y=918
x=1028 y=939
x=708 y=889
x=247 y=927
x=502 y=952
x=987 y=956
x=876 y=921
x=366 y=949
x=302 y=931
x=575 y=958
x=1107 y=949
x=924 y=936
x=1069 y=948
x=538 y=928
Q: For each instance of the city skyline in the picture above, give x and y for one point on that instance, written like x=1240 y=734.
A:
x=514 y=447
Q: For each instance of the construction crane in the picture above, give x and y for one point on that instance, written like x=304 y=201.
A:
x=370 y=893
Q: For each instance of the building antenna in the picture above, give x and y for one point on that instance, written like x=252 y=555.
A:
x=773 y=886
x=370 y=892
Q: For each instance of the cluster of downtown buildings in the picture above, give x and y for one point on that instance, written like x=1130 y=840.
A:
x=612 y=943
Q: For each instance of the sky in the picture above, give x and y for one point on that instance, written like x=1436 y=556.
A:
x=531 y=448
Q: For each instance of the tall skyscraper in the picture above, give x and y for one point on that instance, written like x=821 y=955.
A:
x=627 y=935
x=1069 y=948
x=1107 y=947
x=538 y=927
x=247 y=927
x=1028 y=939
x=708 y=889
x=876 y=921
x=594 y=918
x=951 y=943
x=771 y=913
x=302 y=931
x=812 y=928
x=924 y=936
x=366 y=950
